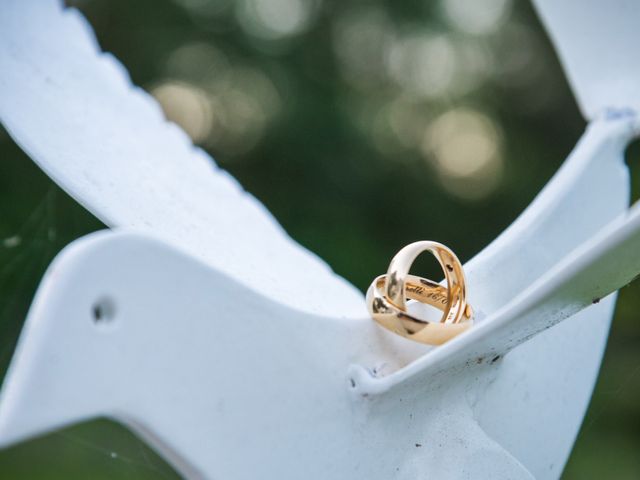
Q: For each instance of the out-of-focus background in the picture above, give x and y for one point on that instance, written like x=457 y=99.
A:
x=362 y=126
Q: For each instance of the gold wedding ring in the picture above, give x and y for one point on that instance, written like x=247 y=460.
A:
x=388 y=294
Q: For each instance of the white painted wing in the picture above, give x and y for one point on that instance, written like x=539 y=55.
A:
x=597 y=41
x=76 y=114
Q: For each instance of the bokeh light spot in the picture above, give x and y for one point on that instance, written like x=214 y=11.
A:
x=361 y=40
x=465 y=147
x=423 y=64
x=275 y=19
x=186 y=105
x=197 y=62
x=204 y=8
x=477 y=16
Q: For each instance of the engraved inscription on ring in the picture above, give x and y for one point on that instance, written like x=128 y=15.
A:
x=437 y=297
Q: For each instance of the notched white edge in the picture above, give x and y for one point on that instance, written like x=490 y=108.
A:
x=68 y=26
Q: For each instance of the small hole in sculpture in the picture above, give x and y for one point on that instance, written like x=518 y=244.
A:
x=103 y=311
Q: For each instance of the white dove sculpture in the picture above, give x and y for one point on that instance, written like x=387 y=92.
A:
x=237 y=354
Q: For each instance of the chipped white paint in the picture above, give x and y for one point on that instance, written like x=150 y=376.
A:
x=229 y=382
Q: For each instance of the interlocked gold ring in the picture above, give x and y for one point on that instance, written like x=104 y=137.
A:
x=387 y=295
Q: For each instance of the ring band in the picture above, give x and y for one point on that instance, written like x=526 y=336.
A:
x=407 y=325
x=451 y=266
x=387 y=295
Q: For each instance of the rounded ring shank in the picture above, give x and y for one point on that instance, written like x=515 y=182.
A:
x=405 y=324
x=396 y=278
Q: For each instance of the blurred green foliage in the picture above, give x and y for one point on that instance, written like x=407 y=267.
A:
x=362 y=126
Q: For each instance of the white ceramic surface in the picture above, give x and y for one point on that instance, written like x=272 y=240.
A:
x=228 y=379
